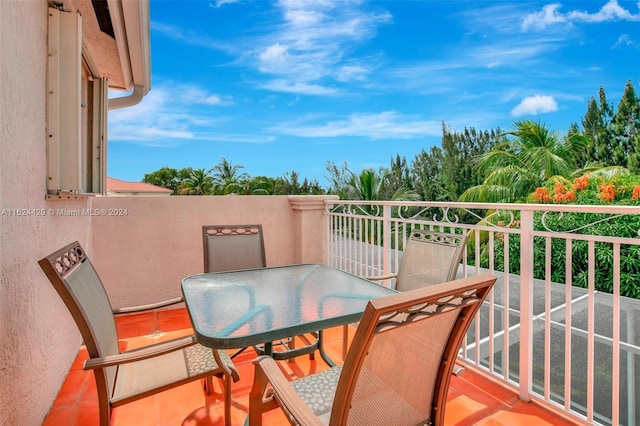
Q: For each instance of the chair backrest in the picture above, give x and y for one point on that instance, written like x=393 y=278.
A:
x=429 y=258
x=76 y=281
x=398 y=367
x=233 y=247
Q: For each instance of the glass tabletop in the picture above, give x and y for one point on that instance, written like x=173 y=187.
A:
x=242 y=308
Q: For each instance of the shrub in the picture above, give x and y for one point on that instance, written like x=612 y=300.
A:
x=585 y=190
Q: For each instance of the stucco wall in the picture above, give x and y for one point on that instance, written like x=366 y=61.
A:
x=153 y=242
x=39 y=338
x=143 y=246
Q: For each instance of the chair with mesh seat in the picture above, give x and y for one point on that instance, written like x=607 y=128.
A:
x=397 y=370
x=123 y=377
x=233 y=247
x=429 y=257
x=236 y=247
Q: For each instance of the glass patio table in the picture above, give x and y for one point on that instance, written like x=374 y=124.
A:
x=237 y=309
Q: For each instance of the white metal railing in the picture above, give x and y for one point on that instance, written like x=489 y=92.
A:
x=573 y=348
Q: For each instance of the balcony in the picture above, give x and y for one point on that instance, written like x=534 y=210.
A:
x=474 y=398
x=573 y=352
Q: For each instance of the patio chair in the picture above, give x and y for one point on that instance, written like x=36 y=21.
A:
x=429 y=257
x=235 y=247
x=397 y=370
x=123 y=377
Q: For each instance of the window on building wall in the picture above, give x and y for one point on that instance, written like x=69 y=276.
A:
x=76 y=112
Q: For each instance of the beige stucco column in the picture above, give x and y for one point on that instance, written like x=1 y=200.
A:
x=311 y=227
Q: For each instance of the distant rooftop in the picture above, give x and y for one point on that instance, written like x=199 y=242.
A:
x=121 y=187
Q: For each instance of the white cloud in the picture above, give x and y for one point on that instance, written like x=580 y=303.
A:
x=274 y=59
x=351 y=73
x=220 y=3
x=188 y=94
x=536 y=104
x=383 y=125
x=625 y=40
x=609 y=12
x=551 y=15
x=188 y=36
x=166 y=117
x=298 y=88
x=311 y=43
x=236 y=138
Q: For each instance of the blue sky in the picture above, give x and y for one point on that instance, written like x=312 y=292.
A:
x=290 y=85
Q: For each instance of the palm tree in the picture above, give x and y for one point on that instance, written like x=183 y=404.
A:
x=248 y=186
x=515 y=168
x=198 y=182
x=226 y=176
x=369 y=186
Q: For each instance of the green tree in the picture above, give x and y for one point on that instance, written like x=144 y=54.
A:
x=458 y=172
x=597 y=129
x=626 y=127
x=198 y=182
x=339 y=177
x=426 y=173
x=398 y=177
x=226 y=176
x=515 y=168
x=246 y=186
x=167 y=177
x=290 y=183
x=368 y=185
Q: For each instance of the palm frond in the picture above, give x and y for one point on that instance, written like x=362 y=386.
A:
x=487 y=194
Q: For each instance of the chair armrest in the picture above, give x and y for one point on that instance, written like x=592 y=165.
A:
x=141 y=353
x=382 y=277
x=148 y=307
x=282 y=391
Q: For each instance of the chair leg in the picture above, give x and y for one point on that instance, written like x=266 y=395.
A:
x=256 y=394
x=227 y=400
x=345 y=340
x=207 y=385
x=226 y=373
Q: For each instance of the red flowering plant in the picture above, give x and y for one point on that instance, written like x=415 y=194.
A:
x=607 y=192
x=589 y=190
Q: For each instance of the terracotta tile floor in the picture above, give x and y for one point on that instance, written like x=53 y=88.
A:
x=473 y=398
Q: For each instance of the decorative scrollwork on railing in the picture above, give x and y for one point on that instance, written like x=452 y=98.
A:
x=546 y=218
x=503 y=219
x=372 y=210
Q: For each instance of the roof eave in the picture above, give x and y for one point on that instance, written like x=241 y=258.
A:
x=130 y=21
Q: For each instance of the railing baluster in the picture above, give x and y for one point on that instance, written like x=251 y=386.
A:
x=526 y=305
x=590 y=328
x=547 y=319
x=386 y=238
x=491 y=306
x=615 y=368
x=507 y=303
x=567 y=320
